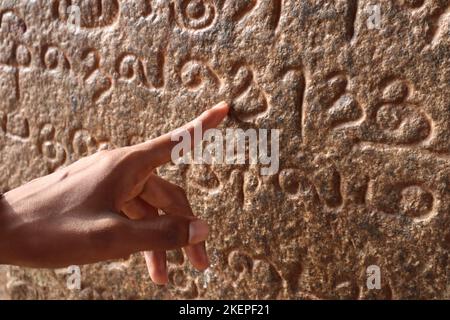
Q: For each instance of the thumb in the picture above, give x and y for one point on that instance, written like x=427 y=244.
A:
x=167 y=232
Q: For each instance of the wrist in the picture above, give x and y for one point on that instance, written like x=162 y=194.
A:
x=3 y=215
x=6 y=217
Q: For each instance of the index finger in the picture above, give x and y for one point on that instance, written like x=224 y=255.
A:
x=158 y=151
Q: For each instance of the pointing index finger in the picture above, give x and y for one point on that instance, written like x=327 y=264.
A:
x=158 y=151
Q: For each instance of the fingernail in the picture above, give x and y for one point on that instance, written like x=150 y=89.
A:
x=198 y=231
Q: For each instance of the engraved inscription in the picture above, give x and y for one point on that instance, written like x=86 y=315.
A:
x=271 y=10
x=439 y=25
x=94 y=13
x=249 y=102
x=328 y=184
x=195 y=74
x=147 y=8
x=3 y=121
x=204 y=178
x=17 y=126
x=363 y=159
x=11 y=24
x=195 y=14
x=294 y=88
x=53 y=152
x=416 y=202
x=437 y=21
x=240 y=8
x=403 y=185
x=84 y=144
x=133 y=69
x=413 y=3
x=396 y=120
x=14 y=56
x=341 y=107
x=97 y=81
x=9 y=87
x=254 y=276
x=413 y=199
x=181 y=283
x=350 y=20
x=289 y=181
x=276 y=13
x=53 y=58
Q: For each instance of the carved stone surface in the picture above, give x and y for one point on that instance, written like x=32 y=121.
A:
x=364 y=114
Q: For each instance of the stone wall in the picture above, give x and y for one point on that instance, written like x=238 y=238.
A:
x=359 y=89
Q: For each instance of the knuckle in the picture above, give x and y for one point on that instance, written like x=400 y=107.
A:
x=105 y=237
x=102 y=153
x=175 y=234
x=174 y=198
x=106 y=158
x=119 y=227
x=115 y=161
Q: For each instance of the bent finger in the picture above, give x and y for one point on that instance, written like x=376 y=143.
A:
x=137 y=209
x=156 y=262
x=165 y=233
x=172 y=200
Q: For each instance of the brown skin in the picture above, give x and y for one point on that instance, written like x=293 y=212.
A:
x=104 y=207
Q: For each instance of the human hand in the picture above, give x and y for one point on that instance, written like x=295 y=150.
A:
x=104 y=207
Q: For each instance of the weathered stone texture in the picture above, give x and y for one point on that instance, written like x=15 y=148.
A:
x=364 y=113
